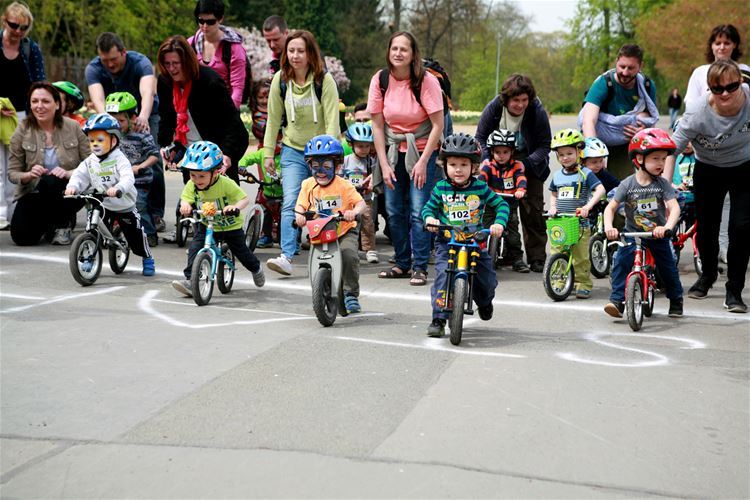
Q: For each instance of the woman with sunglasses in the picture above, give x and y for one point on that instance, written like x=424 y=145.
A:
x=20 y=56
x=717 y=126
x=212 y=40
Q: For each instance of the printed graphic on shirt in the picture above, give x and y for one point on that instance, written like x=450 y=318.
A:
x=462 y=210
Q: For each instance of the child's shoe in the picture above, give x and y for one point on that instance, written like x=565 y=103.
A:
x=520 y=266
x=372 y=257
x=281 y=264
x=259 y=277
x=264 y=242
x=733 y=303
x=352 y=304
x=675 y=308
x=485 y=312
x=436 y=328
x=183 y=286
x=153 y=240
x=583 y=294
x=149 y=269
x=615 y=309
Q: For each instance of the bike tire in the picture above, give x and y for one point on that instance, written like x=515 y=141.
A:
x=456 y=321
x=325 y=306
x=252 y=232
x=599 y=256
x=634 y=302
x=85 y=250
x=492 y=249
x=118 y=259
x=225 y=274
x=557 y=283
x=648 y=307
x=181 y=234
x=698 y=265
x=200 y=280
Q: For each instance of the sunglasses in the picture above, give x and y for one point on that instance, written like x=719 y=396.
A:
x=209 y=22
x=718 y=89
x=16 y=26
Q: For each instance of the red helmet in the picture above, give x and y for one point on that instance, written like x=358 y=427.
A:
x=649 y=140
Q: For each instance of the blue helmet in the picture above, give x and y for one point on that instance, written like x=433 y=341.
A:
x=102 y=121
x=360 y=132
x=594 y=148
x=324 y=147
x=202 y=156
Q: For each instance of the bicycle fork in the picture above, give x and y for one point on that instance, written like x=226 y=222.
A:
x=461 y=262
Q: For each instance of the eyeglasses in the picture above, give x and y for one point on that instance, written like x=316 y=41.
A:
x=209 y=22
x=170 y=64
x=718 y=89
x=16 y=26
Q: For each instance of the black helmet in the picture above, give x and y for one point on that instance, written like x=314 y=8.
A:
x=462 y=145
x=502 y=137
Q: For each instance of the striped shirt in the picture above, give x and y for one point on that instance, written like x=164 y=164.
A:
x=506 y=179
x=573 y=189
x=464 y=207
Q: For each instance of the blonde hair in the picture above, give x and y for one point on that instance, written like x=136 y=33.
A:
x=19 y=9
x=719 y=68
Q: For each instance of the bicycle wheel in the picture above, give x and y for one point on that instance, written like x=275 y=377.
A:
x=325 y=306
x=492 y=249
x=181 y=234
x=599 y=256
x=252 y=232
x=456 y=321
x=698 y=265
x=558 y=279
x=118 y=259
x=634 y=302
x=201 y=281
x=85 y=259
x=648 y=307
x=224 y=273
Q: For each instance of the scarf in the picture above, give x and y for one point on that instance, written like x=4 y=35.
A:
x=227 y=35
x=180 y=103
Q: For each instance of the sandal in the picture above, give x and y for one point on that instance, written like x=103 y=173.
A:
x=393 y=273
x=418 y=278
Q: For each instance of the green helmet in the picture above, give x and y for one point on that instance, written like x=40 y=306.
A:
x=120 y=102
x=567 y=137
x=70 y=90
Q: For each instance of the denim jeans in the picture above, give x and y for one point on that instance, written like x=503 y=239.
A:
x=661 y=249
x=294 y=170
x=141 y=203
x=404 y=204
x=157 y=194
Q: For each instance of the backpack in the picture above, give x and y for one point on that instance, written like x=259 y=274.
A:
x=433 y=67
x=283 y=86
x=609 y=79
x=226 y=58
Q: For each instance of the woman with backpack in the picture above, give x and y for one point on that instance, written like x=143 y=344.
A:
x=304 y=99
x=407 y=122
x=220 y=48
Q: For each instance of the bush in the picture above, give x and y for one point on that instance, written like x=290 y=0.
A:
x=563 y=108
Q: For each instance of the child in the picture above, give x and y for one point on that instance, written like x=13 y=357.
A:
x=107 y=170
x=460 y=200
x=142 y=153
x=594 y=157
x=202 y=159
x=324 y=193
x=683 y=180
x=647 y=198
x=72 y=99
x=259 y=108
x=271 y=193
x=357 y=169
x=575 y=189
x=506 y=176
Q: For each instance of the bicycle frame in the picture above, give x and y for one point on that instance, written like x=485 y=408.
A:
x=209 y=244
x=566 y=249
x=464 y=249
x=324 y=249
x=643 y=262
x=95 y=220
x=679 y=241
x=273 y=205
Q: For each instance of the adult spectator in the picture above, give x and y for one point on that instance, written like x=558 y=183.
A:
x=212 y=40
x=518 y=109
x=194 y=105
x=21 y=57
x=674 y=103
x=617 y=93
x=44 y=151
x=118 y=70
x=275 y=31
x=717 y=126
x=309 y=101
x=406 y=135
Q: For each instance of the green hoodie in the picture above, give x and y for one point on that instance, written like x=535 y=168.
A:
x=306 y=116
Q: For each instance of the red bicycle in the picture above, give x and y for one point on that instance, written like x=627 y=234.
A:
x=271 y=205
x=679 y=239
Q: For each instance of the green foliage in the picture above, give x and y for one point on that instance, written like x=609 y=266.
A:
x=318 y=17
x=252 y=12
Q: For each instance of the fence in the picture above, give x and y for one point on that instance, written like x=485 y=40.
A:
x=67 y=68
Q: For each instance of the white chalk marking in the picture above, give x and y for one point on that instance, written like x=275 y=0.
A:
x=429 y=346
x=62 y=298
x=19 y=296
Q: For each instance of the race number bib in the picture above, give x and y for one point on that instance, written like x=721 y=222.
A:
x=566 y=193
x=508 y=183
x=458 y=213
x=356 y=179
x=648 y=205
x=329 y=203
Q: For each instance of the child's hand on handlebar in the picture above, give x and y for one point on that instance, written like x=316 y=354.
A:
x=230 y=210
x=349 y=215
x=496 y=230
x=520 y=193
x=582 y=211
x=552 y=211
x=112 y=192
x=660 y=231
x=300 y=219
x=70 y=191
x=612 y=234
x=186 y=210
x=430 y=222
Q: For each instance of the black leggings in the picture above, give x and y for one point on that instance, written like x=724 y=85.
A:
x=43 y=211
x=130 y=224
x=711 y=186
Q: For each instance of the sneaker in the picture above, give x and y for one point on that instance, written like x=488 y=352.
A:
x=520 y=266
x=352 y=304
x=485 y=312
x=583 y=294
x=615 y=309
x=170 y=238
x=159 y=224
x=183 y=286
x=4 y=224
x=62 y=237
x=700 y=288
x=259 y=277
x=675 y=308
x=372 y=257
x=281 y=264
x=148 y=267
x=153 y=240
x=537 y=266
x=733 y=303
x=87 y=265
x=436 y=328
x=264 y=242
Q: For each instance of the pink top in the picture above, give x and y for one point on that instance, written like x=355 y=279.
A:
x=236 y=81
x=401 y=111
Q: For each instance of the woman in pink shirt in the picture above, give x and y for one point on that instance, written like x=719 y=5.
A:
x=210 y=42
x=407 y=133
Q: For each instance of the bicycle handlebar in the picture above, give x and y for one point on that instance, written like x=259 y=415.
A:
x=638 y=234
x=245 y=174
x=99 y=197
